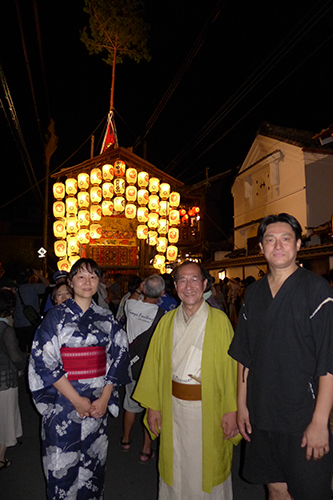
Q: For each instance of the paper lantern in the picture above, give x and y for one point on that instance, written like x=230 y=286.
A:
x=142 y=214
x=95 y=231
x=174 y=199
x=71 y=186
x=83 y=199
x=143 y=196
x=119 y=186
x=131 y=193
x=83 y=180
x=143 y=179
x=172 y=253
x=59 y=209
x=174 y=217
x=59 y=229
x=60 y=248
x=83 y=218
x=73 y=258
x=84 y=236
x=164 y=191
x=153 y=220
x=107 y=190
x=71 y=205
x=142 y=232
x=119 y=204
x=131 y=175
x=173 y=235
x=72 y=225
x=153 y=202
x=95 y=194
x=72 y=245
x=159 y=261
x=152 y=238
x=107 y=207
x=119 y=168
x=196 y=210
x=107 y=171
x=162 y=244
x=154 y=185
x=64 y=265
x=164 y=208
x=130 y=211
x=163 y=226
x=95 y=213
x=182 y=212
x=59 y=190
x=96 y=176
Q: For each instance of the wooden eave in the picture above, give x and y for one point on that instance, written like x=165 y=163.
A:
x=305 y=253
x=131 y=159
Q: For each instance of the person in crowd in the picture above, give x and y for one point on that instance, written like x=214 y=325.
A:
x=12 y=362
x=142 y=319
x=284 y=344
x=79 y=357
x=234 y=299
x=59 y=278
x=102 y=292
x=208 y=295
x=133 y=285
x=225 y=292
x=168 y=300
x=115 y=291
x=28 y=294
x=188 y=385
x=60 y=293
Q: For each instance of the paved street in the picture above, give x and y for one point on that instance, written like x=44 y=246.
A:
x=126 y=477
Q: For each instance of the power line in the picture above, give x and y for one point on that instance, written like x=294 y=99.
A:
x=181 y=72
x=266 y=66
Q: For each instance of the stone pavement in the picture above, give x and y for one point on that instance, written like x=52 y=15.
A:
x=126 y=477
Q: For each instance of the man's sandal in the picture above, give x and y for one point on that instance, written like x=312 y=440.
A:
x=125 y=446
x=145 y=457
x=5 y=464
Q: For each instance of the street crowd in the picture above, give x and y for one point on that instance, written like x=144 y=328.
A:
x=206 y=364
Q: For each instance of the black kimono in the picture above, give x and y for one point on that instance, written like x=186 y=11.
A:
x=287 y=344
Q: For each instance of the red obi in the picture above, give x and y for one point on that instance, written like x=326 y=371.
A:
x=84 y=362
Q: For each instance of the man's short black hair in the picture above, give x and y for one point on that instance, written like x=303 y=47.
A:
x=283 y=217
x=89 y=264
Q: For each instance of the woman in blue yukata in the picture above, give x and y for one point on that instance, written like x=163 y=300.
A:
x=78 y=359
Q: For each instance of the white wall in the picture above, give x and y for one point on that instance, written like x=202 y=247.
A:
x=319 y=190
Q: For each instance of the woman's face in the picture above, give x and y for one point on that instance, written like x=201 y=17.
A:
x=62 y=294
x=84 y=284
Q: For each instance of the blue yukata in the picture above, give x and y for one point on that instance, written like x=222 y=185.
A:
x=75 y=449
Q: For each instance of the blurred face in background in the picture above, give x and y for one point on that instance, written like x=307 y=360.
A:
x=63 y=293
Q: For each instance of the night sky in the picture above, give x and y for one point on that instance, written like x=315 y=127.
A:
x=258 y=61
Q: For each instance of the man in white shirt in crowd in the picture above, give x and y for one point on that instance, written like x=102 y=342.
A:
x=142 y=318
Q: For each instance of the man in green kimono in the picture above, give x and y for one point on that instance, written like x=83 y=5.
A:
x=188 y=385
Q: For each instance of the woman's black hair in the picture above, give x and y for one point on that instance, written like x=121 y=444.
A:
x=7 y=302
x=283 y=217
x=89 y=264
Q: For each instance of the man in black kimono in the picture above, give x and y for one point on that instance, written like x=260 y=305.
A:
x=284 y=348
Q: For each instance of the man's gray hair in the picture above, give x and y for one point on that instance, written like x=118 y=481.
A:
x=154 y=286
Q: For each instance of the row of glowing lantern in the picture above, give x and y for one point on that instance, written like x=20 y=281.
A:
x=118 y=186
x=118 y=205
